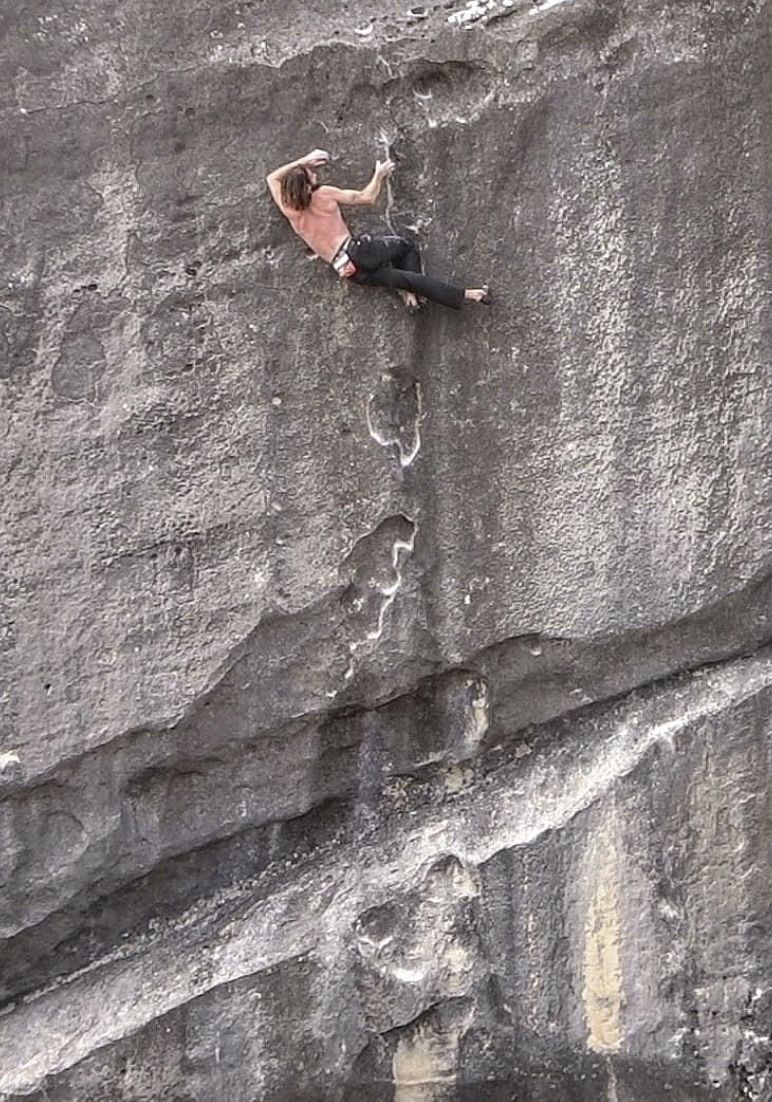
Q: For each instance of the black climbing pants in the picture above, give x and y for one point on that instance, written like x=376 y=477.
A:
x=387 y=260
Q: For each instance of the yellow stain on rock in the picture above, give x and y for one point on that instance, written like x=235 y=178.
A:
x=602 y=994
x=424 y=1063
x=421 y=1067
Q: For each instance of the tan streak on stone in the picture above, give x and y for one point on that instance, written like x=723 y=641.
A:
x=602 y=992
x=423 y=1065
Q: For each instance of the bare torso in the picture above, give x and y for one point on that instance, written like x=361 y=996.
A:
x=320 y=225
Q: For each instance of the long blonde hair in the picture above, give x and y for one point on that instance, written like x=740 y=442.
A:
x=297 y=189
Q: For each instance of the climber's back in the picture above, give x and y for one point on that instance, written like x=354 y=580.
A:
x=311 y=210
x=320 y=224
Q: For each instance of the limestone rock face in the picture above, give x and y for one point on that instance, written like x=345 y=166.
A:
x=386 y=701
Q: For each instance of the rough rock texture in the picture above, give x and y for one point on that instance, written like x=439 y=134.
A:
x=386 y=701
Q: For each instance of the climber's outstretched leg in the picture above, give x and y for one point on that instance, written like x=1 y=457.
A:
x=435 y=289
x=387 y=260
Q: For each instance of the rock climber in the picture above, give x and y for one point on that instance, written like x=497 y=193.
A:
x=373 y=259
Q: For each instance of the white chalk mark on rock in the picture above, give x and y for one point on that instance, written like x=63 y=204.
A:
x=406 y=454
x=9 y=757
x=384 y=140
x=474 y=10
x=408 y=975
x=549 y=4
x=389 y=592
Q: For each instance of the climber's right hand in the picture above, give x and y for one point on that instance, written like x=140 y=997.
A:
x=315 y=158
x=384 y=169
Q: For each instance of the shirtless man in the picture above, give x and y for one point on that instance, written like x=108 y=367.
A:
x=376 y=260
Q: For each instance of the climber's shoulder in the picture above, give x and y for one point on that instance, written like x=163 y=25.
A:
x=328 y=195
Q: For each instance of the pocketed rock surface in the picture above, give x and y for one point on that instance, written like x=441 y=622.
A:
x=386 y=700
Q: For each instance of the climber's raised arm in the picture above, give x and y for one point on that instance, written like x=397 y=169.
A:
x=312 y=160
x=366 y=196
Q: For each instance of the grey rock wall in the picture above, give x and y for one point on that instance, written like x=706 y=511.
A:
x=386 y=700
